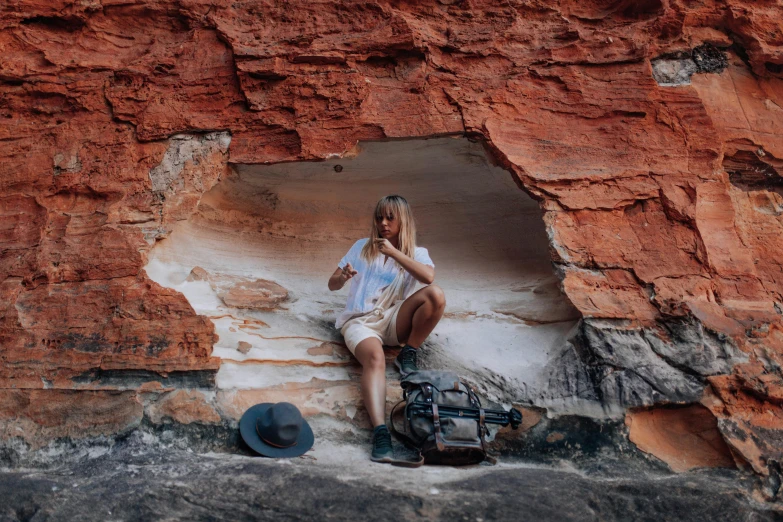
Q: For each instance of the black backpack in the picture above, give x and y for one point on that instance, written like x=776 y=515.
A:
x=441 y=418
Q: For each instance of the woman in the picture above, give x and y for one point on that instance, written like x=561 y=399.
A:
x=382 y=308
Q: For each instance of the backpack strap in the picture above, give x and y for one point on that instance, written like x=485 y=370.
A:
x=408 y=463
x=405 y=439
x=436 y=423
x=474 y=398
x=491 y=459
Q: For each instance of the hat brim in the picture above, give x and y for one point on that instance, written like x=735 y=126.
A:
x=247 y=428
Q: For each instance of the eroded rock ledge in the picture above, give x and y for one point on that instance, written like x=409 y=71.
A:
x=661 y=203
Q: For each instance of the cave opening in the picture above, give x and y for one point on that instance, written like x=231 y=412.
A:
x=256 y=256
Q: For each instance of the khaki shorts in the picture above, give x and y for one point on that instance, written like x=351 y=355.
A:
x=380 y=324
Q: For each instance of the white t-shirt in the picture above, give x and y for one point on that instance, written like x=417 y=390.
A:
x=373 y=278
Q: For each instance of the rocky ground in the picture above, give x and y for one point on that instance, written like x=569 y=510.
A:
x=145 y=479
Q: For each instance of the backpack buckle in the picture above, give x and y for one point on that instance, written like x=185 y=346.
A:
x=427 y=392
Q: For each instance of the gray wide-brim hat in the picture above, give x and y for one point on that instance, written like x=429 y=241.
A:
x=276 y=430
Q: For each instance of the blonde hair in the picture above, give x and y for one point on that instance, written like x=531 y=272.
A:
x=398 y=207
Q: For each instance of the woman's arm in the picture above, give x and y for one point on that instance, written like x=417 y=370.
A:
x=341 y=276
x=422 y=273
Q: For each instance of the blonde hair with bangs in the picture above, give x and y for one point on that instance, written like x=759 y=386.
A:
x=392 y=206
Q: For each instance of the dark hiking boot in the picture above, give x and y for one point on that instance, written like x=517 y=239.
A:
x=406 y=361
x=382 y=445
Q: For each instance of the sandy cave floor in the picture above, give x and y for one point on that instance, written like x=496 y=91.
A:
x=292 y=222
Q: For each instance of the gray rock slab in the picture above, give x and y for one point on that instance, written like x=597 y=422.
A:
x=179 y=485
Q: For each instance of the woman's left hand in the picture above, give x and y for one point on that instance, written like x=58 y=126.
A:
x=386 y=248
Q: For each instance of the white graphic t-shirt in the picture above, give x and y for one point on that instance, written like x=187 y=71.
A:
x=373 y=278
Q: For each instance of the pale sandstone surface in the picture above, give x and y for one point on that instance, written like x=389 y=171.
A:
x=291 y=223
x=661 y=203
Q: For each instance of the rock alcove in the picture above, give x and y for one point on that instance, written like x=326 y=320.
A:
x=257 y=253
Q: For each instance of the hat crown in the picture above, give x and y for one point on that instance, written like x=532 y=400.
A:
x=280 y=425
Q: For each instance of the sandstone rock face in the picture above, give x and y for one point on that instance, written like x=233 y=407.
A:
x=183 y=407
x=241 y=292
x=684 y=438
x=39 y=416
x=661 y=200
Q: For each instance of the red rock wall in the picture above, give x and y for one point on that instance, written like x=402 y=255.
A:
x=652 y=198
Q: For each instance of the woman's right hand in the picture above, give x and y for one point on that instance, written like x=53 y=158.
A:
x=347 y=273
x=341 y=276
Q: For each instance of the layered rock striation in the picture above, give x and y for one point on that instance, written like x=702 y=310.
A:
x=651 y=134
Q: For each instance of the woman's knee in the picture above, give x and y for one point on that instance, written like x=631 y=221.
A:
x=376 y=360
x=436 y=296
x=373 y=358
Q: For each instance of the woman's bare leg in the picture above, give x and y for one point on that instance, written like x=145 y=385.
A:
x=419 y=314
x=370 y=355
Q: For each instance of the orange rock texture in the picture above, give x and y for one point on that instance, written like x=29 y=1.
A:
x=684 y=438
x=661 y=195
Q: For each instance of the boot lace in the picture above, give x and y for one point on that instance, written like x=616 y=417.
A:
x=408 y=357
x=383 y=440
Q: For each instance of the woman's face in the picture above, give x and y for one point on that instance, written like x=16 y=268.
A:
x=388 y=226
